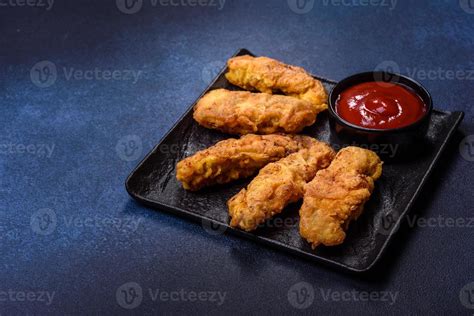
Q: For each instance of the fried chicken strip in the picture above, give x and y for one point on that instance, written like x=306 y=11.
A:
x=233 y=159
x=269 y=75
x=241 y=112
x=277 y=185
x=337 y=195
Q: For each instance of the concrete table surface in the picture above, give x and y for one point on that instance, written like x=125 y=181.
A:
x=89 y=87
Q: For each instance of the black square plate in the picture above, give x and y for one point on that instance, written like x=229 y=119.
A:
x=154 y=183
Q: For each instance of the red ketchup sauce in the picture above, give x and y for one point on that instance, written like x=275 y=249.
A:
x=380 y=105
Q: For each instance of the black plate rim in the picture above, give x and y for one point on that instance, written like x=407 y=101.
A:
x=271 y=242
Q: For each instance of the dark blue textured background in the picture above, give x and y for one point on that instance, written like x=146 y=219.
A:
x=178 y=50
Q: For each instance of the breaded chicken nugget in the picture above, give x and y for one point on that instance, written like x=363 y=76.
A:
x=337 y=195
x=268 y=75
x=233 y=159
x=277 y=185
x=241 y=112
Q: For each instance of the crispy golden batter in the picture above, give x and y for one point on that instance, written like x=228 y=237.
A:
x=337 y=195
x=233 y=159
x=277 y=185
x=241 y=112
x=268 y=75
